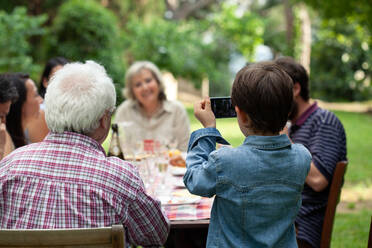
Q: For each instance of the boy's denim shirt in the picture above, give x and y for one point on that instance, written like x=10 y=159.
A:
x=257 y=187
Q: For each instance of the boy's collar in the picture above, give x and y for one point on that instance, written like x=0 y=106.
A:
x=268 y=142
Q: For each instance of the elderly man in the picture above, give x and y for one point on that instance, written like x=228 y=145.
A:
x=8 y=94
x=321 y=132
x=66 y=181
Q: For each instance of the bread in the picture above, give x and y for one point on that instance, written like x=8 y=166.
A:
x=177 y=161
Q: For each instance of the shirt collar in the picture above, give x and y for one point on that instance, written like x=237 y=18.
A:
x=268 y=142
x=74 y=139
x=301 y=120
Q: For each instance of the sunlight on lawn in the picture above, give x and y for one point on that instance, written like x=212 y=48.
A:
x=351 y=230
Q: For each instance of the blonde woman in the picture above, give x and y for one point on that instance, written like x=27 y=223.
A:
x=147 y=112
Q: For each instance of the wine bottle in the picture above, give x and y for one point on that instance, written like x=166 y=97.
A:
x=114 y=149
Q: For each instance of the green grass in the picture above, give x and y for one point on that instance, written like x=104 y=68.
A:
x=358 y=128
x=351 y=230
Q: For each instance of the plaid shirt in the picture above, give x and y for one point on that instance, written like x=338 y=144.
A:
x=67 y=181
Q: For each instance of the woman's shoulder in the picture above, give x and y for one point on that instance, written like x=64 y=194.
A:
x=127 y=104
x=173 y=105
x=122 y=110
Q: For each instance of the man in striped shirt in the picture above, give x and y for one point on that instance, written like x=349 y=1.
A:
x=66 y=181
x=321 y=132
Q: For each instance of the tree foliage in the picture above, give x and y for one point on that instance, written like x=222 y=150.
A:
x=357 y=11
x=244 y=30
x=341 y=42
x=16 y=29
x=275 y=30
x=85 y=30
x=341 y=61
x=192 y=39
x=177 y=47
x=142 y=9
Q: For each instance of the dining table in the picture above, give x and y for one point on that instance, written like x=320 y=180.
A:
x=188 y=214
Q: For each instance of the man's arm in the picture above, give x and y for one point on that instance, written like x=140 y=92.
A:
x=146 y=223
x=315 y=179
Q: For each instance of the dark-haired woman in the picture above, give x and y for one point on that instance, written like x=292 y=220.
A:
x=53 y=65
x=23 y=111
x=38 y=128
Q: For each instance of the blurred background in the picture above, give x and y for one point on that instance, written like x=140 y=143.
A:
x=200 y=45
x=196 y=40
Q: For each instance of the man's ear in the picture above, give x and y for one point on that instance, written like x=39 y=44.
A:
x=103 y=121
x=241 y=115
x=296 y=89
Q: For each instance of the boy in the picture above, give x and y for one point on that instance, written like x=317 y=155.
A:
x=257 y=186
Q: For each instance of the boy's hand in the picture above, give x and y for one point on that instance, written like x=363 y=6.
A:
x=203 y=112
x=285 y=130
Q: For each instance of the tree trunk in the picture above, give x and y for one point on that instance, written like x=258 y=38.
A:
x=289 y=26
x=182 y=11
x=305 y=37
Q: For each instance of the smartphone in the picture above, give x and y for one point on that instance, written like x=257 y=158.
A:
x=222 y=107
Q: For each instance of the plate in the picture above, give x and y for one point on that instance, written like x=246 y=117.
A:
x=184 y=154
x=178 y=171
x=178 y=197
x=179 y=184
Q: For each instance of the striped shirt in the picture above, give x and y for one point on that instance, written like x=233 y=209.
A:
x=321 y=132
x=66 y=181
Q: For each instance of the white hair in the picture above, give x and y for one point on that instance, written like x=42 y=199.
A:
x=77 y=97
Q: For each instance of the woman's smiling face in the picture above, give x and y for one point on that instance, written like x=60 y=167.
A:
x=145 y=87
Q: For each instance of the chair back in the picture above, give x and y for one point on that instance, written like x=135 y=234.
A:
x=72 y=238
x=333 y=199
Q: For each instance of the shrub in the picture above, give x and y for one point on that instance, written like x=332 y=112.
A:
x=341 y=62
x=178 y=47
x=16 y=29
x=84 y=30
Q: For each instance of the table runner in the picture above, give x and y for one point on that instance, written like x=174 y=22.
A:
x=198 y=211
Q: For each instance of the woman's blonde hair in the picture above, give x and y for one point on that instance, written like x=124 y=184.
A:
x=136 y=68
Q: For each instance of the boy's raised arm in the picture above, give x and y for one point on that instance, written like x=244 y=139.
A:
x=201 y=175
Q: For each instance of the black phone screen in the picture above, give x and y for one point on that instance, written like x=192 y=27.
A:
x=222 y=107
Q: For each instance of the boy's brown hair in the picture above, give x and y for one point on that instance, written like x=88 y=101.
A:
x=264 y=92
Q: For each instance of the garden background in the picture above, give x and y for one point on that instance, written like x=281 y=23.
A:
x=210 y=39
